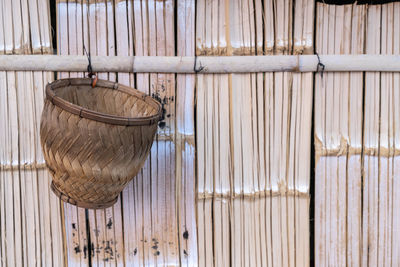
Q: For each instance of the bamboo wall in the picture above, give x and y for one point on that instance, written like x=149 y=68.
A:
x=228 y=179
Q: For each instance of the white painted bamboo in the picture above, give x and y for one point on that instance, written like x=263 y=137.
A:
x=204 y=64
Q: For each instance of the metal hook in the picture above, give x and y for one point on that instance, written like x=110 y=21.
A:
x=320 y=66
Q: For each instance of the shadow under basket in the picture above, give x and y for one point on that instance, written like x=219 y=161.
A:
x=95 y=140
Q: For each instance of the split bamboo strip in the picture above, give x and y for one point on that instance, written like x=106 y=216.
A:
x=106 y=224
x=26 y=202
x=386 y=144
x=91 y=26
x=185 y=138
x=134 y=206
x=152 y=196
x=278 y=140
x=234 y=175
x=300 y=131
x=289 y=135
x=211 y=39
x=395 y=257
x=371 y=140
x=74 y=223
x=380 y=237
x=161 y=43
x=338 y=139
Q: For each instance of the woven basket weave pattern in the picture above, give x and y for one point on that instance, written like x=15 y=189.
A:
x=91 y=161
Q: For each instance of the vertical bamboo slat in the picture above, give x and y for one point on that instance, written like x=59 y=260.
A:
x=380 y=237
x=250 y=149
x=371 y=140
x=212 y=134
x=90 y=25
x=185 y=137
x=338 y=139
x=246 y=186
x=396 y=130
x=31 y=227
x=74 y=223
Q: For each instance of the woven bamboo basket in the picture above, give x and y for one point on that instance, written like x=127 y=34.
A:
x=95 y=140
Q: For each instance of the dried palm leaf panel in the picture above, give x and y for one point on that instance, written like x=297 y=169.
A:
x=26 y=204
x=338 y=139
x=380 y=237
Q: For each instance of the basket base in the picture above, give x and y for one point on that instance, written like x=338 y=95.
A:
x=86 y=205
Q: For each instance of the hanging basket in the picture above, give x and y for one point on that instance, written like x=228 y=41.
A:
x=95 y=140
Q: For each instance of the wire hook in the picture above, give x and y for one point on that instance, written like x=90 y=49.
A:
x=320 y=66
x=194 y=67
x=89 y=68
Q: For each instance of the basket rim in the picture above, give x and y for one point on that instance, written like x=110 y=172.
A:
x=100 y=116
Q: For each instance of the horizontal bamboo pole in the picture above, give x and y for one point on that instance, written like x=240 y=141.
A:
x=209 y=64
